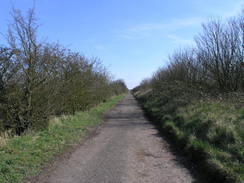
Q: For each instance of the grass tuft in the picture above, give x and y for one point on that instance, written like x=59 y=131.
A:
x=210 y=131
x=23 y=156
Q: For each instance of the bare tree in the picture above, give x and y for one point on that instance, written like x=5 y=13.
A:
x=40 y=79
x=220 y=52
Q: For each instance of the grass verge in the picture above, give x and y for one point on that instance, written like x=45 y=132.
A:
x=209 y=132
x=24 y=156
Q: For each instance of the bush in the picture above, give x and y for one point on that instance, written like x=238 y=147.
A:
x=38 y=80
x=198 y=99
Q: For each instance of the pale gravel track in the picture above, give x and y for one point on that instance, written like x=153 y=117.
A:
x=126 y=149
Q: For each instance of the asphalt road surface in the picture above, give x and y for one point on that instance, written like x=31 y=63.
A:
x=125 y=149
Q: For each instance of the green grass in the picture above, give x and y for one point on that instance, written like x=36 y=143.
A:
x=220 y=126
x=24 y=156
x=209 y=131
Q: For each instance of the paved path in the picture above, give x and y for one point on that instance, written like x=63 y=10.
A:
x=126 y=149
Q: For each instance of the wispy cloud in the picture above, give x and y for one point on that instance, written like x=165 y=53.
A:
x=236 y=10
x=133 y=35
x=100 y=47
x=173 y=24
x=232 y=10
x=179 y=40
x=146 y=30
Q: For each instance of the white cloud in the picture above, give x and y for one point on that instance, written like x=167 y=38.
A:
x=146 y=30
x=233 y=10
x=142 y=31
x=100 y=47
x=173 y=24
x=180 y=41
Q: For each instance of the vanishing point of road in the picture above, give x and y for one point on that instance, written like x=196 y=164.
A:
x=125 y=149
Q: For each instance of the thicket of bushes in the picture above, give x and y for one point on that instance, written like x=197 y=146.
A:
x=25 y=156
x=198 y=99
x=38 y=79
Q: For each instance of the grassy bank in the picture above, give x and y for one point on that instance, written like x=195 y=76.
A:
x=23 y=156
x=210 y=131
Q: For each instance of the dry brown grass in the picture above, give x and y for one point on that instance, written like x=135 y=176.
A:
x=4 y=136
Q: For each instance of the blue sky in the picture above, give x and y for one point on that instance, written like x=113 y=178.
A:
x=132 y=37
